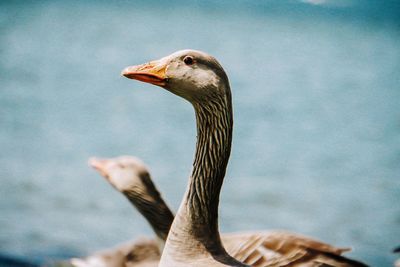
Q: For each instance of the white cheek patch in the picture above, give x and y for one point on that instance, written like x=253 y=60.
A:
x=204 y=78
x=124 y=179
x=199 y=76
x=191 y=81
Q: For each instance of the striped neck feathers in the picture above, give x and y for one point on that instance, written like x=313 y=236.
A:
x=152 y=206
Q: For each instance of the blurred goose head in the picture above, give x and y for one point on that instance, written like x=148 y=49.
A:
x=123 y=173
x=130 y=176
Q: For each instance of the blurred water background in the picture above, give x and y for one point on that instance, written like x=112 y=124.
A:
x=316 y=145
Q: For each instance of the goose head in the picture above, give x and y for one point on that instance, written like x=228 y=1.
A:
x=193 y=75
x=124 y=173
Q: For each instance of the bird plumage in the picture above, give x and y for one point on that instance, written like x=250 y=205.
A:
x=194 y=238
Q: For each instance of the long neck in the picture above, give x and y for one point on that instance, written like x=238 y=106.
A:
x=214 y=136
x=152 y=206
x=194 y=232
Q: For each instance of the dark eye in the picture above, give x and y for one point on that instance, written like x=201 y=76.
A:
x=188 y=60
x=122 y=166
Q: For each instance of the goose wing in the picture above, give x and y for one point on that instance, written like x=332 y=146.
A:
x=275 y=249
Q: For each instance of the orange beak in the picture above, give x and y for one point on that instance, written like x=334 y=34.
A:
x=99 y=164
x=152 y=72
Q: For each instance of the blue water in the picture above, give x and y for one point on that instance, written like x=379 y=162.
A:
x=316 y=145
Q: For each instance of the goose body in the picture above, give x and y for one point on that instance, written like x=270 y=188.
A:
x=131 y=177
x=143 y=252
x=194 y=239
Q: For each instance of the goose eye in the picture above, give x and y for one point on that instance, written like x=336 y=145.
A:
x=188 y=60
x=122 y=166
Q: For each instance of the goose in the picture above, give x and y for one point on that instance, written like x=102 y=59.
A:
x=194 y=239
x=131 y=177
